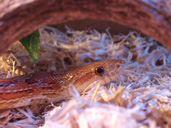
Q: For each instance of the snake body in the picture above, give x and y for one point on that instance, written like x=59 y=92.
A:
x=47 y=87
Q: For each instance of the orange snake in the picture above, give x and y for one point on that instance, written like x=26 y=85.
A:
x=47 y=87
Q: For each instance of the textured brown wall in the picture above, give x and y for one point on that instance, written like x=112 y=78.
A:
x=19 y=18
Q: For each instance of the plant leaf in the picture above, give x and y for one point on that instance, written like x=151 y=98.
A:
x=32 y=45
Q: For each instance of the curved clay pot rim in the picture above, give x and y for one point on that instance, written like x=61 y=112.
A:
x=19 y=18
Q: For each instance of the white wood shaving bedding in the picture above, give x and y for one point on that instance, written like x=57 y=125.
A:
x=138 y=98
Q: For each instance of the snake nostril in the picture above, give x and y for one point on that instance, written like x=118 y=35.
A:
x=118 y=66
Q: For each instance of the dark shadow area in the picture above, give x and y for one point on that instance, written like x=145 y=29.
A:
x=99 y=25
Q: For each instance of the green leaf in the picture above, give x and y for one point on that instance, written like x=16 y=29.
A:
x=32 y=45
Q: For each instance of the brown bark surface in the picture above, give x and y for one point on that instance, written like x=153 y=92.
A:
x=19 y=18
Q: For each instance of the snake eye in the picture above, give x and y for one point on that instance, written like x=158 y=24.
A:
x=99 y=71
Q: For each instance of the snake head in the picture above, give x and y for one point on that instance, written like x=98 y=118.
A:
x=107 y=70
x=103 y=71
